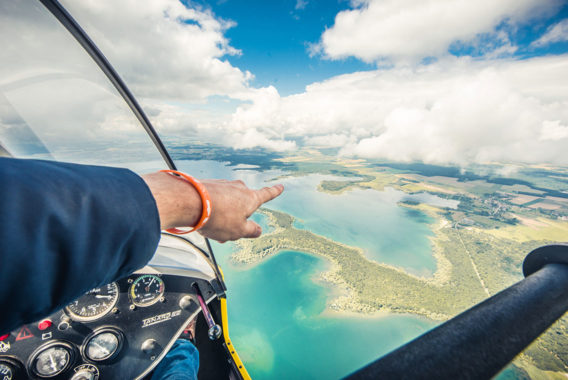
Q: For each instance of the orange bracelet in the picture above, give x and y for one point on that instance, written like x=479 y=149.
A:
x=205 y=201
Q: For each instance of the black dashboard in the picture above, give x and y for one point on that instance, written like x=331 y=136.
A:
x=120 y=330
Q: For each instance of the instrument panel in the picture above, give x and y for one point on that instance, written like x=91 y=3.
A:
x=119 y=330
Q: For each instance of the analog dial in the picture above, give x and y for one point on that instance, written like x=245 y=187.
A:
x=51 y=361
x=6 y=372
x=146 y=290
x=94 y=304
x=102 y=346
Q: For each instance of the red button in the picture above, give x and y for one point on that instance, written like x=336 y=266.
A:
x=44 y=325
x=3 y=337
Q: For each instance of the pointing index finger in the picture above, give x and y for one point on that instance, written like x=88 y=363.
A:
x=269 y=193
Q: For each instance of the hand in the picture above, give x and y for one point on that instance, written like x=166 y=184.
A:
x=232 y=203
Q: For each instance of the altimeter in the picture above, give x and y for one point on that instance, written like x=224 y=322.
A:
x=94 y=304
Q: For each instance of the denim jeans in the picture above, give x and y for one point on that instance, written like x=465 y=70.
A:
x=181 y=363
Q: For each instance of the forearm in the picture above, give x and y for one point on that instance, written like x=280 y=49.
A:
x=178 y=202
x=232 y=203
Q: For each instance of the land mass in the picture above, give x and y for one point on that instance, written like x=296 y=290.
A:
x=373 y=286
x=479 y=246
x=463 y=278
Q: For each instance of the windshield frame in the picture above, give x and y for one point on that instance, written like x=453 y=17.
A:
x=61 y=14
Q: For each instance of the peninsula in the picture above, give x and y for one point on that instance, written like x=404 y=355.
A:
x=478 y=246
x=463 y=276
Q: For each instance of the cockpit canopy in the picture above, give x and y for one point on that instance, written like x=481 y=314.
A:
x=56 y=103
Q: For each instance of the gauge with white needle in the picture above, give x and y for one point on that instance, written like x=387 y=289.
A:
x=146 y=290
x=51 y=361
x=6 y=372
x=94 y=304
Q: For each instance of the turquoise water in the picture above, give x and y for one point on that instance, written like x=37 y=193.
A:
x=262 y=221
x=275 y=322
x=432 y=200
x=276 y=308
x=368 y=219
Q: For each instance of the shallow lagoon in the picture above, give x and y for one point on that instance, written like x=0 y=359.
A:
x=275 y=307
x=277 y=326
x=369 y=219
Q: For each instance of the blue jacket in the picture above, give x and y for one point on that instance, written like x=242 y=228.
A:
x=65 y=229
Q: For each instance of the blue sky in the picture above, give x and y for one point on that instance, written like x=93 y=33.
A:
x=274 y=38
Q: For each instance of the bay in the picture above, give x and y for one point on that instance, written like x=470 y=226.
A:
x=369 y=219
x=277 y=325
x=277 y=308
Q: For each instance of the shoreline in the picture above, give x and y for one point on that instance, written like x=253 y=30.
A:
x=467 y=271
x=344 y=298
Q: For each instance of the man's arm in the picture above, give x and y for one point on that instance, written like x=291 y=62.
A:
x=65 y=229
x=233 y=202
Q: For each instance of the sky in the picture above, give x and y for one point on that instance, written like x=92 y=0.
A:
x=437 y=81
x=275 y=36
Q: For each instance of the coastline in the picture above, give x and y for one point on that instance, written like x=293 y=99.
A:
x=462 y=246
x=346 y=298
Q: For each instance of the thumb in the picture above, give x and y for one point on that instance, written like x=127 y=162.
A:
x=252 y=230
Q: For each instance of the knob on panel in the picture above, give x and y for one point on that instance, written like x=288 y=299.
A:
x=84 y=375
x=186 y=302
x=64 y=323
x=86 y=372
x=150 y=347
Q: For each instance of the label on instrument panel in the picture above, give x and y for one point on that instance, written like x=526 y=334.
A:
x=160 y=318
x=46 y=336
x=4 y=346
x=24 y=333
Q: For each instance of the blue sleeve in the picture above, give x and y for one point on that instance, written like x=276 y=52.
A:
x=65 y=229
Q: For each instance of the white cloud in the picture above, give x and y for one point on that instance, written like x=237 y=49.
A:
x=172 y=55
x=252 y=138
x=300 y=4
x=333 y=140
x=409 y=30
x=455 y=111
x=163 y=49
x=553 y=130
x=555 y=33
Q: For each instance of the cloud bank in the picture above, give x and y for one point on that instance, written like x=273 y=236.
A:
x=164 y=49
x=410 y=30
x=455 y=111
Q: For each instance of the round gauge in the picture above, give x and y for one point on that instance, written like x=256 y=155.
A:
x=94 y=304
x=10 y=369
x=6 y=372
x=146 y=290
x=86 y=372
x=51 y=361
x=102 y=346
